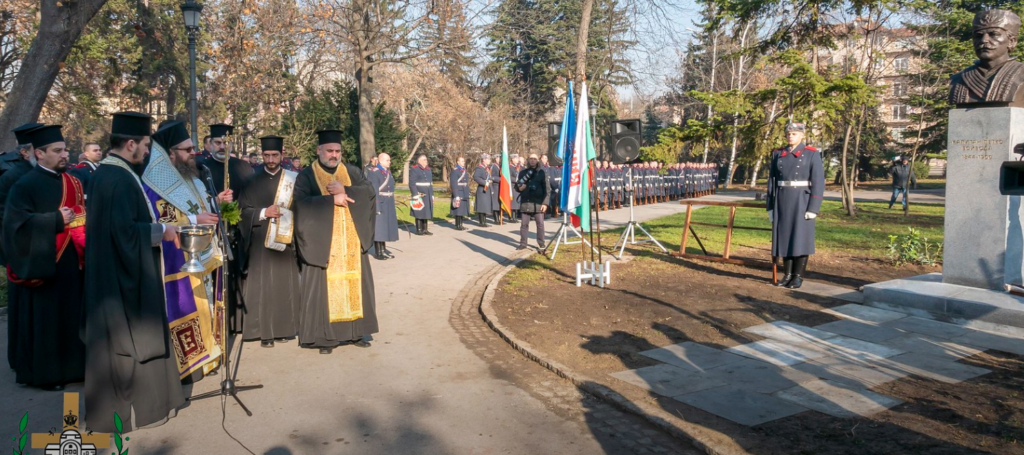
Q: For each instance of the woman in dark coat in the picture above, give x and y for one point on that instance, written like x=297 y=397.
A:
x=796 y=183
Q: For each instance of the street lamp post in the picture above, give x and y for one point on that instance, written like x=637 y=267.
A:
x=191 y=12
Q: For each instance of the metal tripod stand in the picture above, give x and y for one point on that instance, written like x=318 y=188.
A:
x=629 y=234
x=562 y=237
x=227 y=386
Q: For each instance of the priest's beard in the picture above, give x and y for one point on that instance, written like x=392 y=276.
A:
x=188 y=169
x=220 y=155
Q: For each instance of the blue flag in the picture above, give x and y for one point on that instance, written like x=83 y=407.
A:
x=566 y=138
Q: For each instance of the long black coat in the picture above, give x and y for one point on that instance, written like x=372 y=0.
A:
x=458 y=183
x=421 y=182
x=484 y=202
x=386 y=228
x=792 y=235
x=495 y=187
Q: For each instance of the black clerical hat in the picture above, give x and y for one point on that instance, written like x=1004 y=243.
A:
x=21 y=132
x=45 y=135
x=272 y=143
x=221 y=130
x=170 y=134
x=131 y=124
x=328 y=137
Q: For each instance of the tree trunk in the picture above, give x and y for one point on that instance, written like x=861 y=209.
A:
x=847 y=196
x=711 y=89
x=753 y=176
x=737 y=85
x=581 y=41
x=367 y=124
x=59 y=29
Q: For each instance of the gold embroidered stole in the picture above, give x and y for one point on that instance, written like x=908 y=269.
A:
x=344 y=267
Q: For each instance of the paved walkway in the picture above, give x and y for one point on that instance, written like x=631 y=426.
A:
x=827 y=368
x=436 y=381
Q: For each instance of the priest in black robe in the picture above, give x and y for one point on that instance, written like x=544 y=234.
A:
x=386 y=228
x=15 y=166
x=271 y=283
x=335 y=222
x=130 y=366
x=238 y=176
x=43 y=235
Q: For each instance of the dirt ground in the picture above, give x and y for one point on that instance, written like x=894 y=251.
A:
x=655 y=300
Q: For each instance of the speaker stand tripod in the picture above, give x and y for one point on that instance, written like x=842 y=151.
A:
x=629 y=234
x=562 y=237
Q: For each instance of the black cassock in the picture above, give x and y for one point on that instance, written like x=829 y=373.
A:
x=129 y=363
x=314 y=226
x=421 y=182
x=458 y=182
x=387 y=216
x=7 y=181
x=271 y=284
x=484 y=203
x=239 y=173
x=47 y=349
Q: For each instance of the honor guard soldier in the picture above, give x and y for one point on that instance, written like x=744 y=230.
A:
x=458 y=183
x=421 y=186
x=495 y=189
x=89 y=160
x=386 y=227
x=484 y=181
x=796 y=183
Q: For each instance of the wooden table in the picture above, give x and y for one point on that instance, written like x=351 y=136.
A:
x=729 y=226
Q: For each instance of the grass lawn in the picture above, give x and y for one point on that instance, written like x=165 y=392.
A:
x=3 y=290
x=865 y=235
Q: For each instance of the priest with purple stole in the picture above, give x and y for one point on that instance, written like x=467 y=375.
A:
x=271 y=285
x=194 y=300
x=335 y=214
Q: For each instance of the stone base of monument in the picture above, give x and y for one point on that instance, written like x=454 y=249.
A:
x=927 y=296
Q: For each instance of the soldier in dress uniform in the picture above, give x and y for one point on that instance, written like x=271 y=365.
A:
x=88 y=161
x=386 y=226
x=421 y=186
x=796 y=183
x=484 y=188
x=495 y=189
x=458 y=182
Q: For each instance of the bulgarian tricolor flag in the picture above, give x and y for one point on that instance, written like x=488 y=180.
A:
x=505 y=190
x=578 y=202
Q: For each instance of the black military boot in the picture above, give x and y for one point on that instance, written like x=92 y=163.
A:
x=419 y=227
x=482 y=219
x=787 y=266
x=378 y=248
x=459 y=226
x=799 y=267
x=426 y=228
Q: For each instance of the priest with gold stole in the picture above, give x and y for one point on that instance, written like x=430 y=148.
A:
x=44 y=238
x=271 y=284
x=178 y=197
x=335 y=214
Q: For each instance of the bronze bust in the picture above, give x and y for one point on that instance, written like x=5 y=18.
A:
x=995 y=79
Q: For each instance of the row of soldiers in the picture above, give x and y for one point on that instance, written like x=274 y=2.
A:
x=97 y=287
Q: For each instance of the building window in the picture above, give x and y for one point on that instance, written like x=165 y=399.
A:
x=902 y=64
x=879 y=63
x=897 y=134
x=899 y=89
x=899 y=111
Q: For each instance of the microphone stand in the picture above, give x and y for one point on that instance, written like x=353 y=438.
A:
x=227 y=386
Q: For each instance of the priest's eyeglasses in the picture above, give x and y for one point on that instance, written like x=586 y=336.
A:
x=189 y=150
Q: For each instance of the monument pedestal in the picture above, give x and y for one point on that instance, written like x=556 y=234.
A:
x=983 y=248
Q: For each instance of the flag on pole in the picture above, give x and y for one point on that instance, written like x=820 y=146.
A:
x=578 y=205
x=565 y=140
x=505 y=189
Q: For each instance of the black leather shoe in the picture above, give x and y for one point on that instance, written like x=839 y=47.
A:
x=520 y=247
x=326 y=350
x=426 y=232
x=361 y=343
x=282 y=340
x=795 y=283
x=784 y=281
x=267 y=343
x=52 y=387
